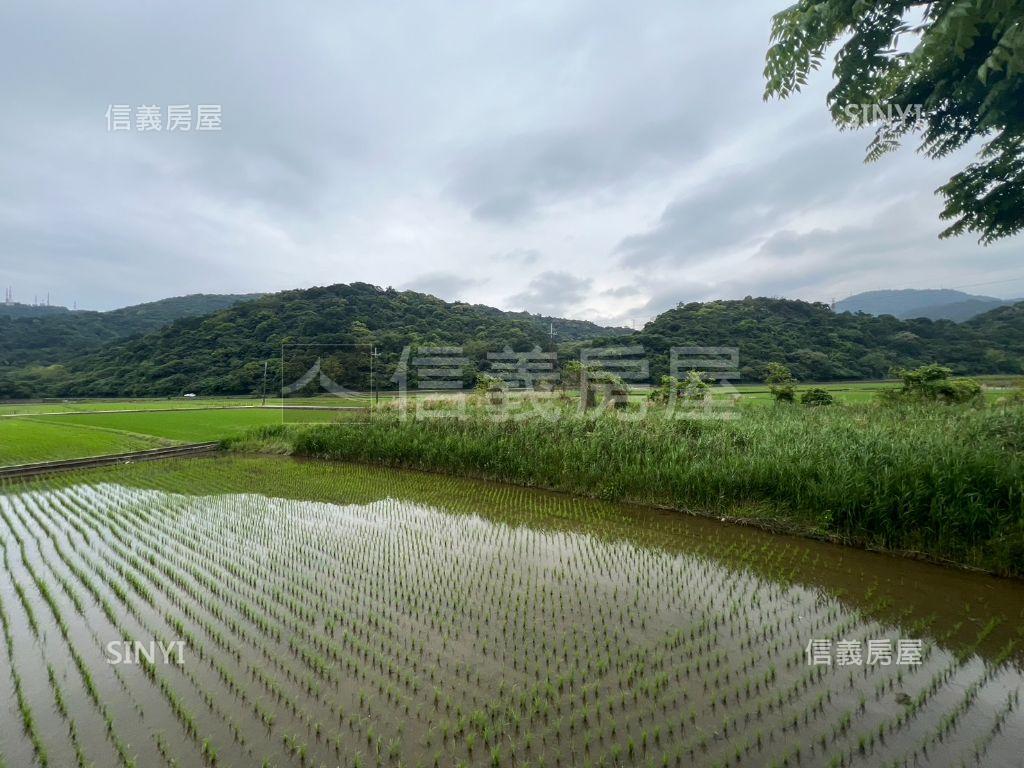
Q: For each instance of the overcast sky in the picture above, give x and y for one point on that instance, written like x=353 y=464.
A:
x=588 y=159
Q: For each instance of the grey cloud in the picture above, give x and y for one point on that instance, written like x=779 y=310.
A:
x=734 y=210
x=552 y=293
x=632 y=113
x=825 y=263
x=520 y=256
x=444 y=285
x=398 y=130
x=621 y=291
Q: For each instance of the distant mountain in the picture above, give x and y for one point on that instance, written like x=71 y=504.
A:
x=961 y=311
x=154 y=314
x=937 y=304
x=31 y=335
x=14 y=309
x=336 y=326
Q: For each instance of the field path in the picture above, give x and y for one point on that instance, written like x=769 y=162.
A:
x=48 y=467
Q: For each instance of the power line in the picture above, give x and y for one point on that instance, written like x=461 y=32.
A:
x=991 y=282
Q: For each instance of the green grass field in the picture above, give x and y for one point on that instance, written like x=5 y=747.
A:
x=849 y=392
x=28 y=439
x=25 y=441
x=165 y=404
x=90 y=406
x=33 y=432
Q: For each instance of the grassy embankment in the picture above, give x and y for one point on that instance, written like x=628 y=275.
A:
x=945 y=482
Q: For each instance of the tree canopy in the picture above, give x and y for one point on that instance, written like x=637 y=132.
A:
x=951 y=70
x=333 y=329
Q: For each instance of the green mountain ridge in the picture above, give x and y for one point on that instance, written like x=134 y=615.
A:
x=44 y=335
x=16 y=310
x=337 y=326
x=224 y=352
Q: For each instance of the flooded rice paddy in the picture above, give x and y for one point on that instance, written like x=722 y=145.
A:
x=305 y=614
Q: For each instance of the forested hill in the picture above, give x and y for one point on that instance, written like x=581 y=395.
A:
x=164 y=311
x=821 y=345
x=14 y=309
x=49 y=335
x=224 y=352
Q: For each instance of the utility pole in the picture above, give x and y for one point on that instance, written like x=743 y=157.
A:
x=374 y=391
x=265 y=382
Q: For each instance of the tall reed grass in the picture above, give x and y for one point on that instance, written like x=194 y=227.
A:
x=947 y=482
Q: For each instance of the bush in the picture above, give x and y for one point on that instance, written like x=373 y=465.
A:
x=817 y=396
x=694 y=388
x=781 y=383
x=933 y=383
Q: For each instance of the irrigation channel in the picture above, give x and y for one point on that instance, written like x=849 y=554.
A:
x=293 y=613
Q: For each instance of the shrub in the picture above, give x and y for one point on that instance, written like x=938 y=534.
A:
x=492 y=387
x=817 y=396
x=695 y=388
x=668 y=387
x=781 y=383
x=933 y=383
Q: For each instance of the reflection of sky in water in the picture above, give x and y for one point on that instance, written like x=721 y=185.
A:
x=688 y=636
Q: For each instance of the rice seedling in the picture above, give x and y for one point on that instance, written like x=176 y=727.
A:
x=360 y=618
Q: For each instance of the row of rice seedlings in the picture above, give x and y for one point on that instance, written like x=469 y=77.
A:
x=126 y=759
x=982 y=743
x=139 y=539
x=58 y=700
x=180 y=710
x=25 y=711
x=136 y=540
x=113 y=617
x=395 y=591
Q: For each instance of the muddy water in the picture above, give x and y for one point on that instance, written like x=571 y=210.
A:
x=338 y=615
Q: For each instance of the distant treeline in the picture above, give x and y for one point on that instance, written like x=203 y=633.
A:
x=225 y=352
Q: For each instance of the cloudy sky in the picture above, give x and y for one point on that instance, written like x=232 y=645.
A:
x=586 y=158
